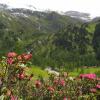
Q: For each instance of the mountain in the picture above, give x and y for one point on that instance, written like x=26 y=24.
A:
x=54 y=39
x=3 y=6
x=96 y=19
x=37 y=20
x=79 y=15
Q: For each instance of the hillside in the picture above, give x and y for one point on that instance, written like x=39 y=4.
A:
x=53 y=39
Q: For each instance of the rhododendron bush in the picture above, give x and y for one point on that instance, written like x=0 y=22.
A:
x=16 y=84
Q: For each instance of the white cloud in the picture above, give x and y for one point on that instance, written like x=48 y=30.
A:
x=88 y=6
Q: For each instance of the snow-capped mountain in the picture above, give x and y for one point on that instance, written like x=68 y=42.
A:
x=79 y=15
x=29 y=10
x=3 y=6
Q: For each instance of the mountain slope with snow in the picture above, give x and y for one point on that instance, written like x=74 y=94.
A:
x=79 y=15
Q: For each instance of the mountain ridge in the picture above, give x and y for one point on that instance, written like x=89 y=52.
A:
x=74 y=14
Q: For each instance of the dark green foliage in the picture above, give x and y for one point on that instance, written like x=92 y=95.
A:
x=55 y=40
x=96 y=41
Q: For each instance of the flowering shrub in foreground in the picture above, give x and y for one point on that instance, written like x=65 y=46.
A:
x=16 y=84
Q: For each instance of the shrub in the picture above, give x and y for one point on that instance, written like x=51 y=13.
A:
x=16 y=84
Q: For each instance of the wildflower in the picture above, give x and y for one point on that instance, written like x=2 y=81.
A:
x=13 y=97
x=26 y=56
x=10 y=61
x=11 y=54
x=93 y=90
x=91 y=76
x=64 y=98
x=55 y=81
x=88 y=76
x=51 y=89
x=21 y=76
x=98 y=86
x=37 y=84
x=62 y=82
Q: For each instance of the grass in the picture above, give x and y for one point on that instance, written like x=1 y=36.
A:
x=86 y=70
x=37 y=71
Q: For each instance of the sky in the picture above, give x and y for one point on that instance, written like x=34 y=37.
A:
x=87 y=6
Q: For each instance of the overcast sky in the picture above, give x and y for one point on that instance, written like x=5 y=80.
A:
x=88 y=6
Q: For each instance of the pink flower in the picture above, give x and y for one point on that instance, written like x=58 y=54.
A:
x=93 y=90
x=11 y=54
x=56 y=81
x=88 y=76
x=91 y=76
x=51 y=89
x=62 y=82
x=10 y=61
x=59 y=82
x=98 y=86
x=13 y=97
x=64 y=98
x=37 y=84
x=21 y=76
x=26 y=56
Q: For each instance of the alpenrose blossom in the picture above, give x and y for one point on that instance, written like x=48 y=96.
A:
x=38 y=84
x=98 y=86
x=12 y=97
x=26 y=56
x=11 y=54
x=21 y=76
x=56 y=81
x=62 y=82
x=10 y=61
x=50 y=89
x=88 y=76
x=93 y=90
x=66 y=98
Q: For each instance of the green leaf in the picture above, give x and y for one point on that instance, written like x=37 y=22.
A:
x=2 y=97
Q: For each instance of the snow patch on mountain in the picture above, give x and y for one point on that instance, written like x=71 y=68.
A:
x=79 y=15
x=20 y=14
